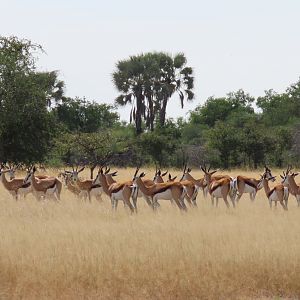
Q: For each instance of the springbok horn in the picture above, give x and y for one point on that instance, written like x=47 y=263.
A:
x=136 y=171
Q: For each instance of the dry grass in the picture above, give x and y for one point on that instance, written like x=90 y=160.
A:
x=77 y=250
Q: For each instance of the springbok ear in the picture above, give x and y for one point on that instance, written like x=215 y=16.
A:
x=170 y=176
x=213 y=172
x=189 y=170
x=174 y=178
x=295 y=174
x=114 y=173
x=164 y=174
x=33 y=169
x=81 y=170
x=142 y=174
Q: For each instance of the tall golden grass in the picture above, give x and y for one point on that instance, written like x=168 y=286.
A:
x=77 y=250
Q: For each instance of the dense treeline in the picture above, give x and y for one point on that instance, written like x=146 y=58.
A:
x=40 y=124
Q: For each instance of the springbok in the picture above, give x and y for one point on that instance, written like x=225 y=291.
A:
x=161 y=191
x=199 y=183
x=44 y=187
x=68 y=183
x=116 y=191
x=288 y=180
x=191 y=190
x=15 y=187
x=87 y=187
x=219 y=188
x=278 y=193
x=249 y=185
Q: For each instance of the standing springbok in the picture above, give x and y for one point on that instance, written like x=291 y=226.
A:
x=278 y=193
x=219 y=188
x=15 y=187
x=87 y=187
x=116 y=191
x=288 y=180
x=190 y=188
x=44 y=187
x=67 y=177
x=249 y=185
x=161 y=191
x=199 y=183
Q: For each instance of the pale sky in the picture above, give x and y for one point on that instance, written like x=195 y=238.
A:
x=231 y=44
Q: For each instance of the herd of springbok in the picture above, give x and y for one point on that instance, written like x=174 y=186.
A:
x=179 y=193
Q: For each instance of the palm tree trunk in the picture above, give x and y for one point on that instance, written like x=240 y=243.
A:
x=138 y=117
x=162 y=112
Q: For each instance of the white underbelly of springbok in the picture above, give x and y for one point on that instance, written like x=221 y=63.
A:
x=51 y=190
x=274 y=197
x=217 y=193
x=166 y=195
x=118 y=195
x=24 y=191
x=249 y=189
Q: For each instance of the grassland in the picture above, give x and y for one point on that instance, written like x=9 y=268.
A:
x=80 y=250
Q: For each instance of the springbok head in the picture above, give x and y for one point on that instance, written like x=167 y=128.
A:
x=75 y=173
x=158 y=177
x=137 y=177
x=186 y=173
x=263 y=178
x=207 y=174
x=286 y=177
x=30 y=173
x=267 y=173
x=170 y=178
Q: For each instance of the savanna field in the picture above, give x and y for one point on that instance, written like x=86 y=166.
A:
x=81 y=250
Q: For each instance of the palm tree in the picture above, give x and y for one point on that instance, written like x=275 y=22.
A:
x=148 y=81
x=175 y=77
x=129 y=80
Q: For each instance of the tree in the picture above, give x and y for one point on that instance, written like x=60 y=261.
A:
x=173 y=77
x=219 y=109
x=148 y=81
x=84 y=116
x=129 y=80
x=26 y=128
x=90 y=149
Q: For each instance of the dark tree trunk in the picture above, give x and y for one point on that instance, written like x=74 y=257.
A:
x=138 y=116
x=162 y=112
x=151 y=112
x=92 y=168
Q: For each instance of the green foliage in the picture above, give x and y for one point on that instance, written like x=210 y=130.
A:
x=84 y=116
x=148 y=81
x=39 y=124
x=26 y=127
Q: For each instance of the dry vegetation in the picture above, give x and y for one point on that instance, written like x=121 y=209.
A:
x=77 y=250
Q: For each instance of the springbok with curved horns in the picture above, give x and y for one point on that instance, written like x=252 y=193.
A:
x=249 y=185
x=288 y=180
x=161 y=191
x=278 y=193
x=116 y=191
x=219 y=188
x=15 y=187
x=87 y=187
x=44 y=187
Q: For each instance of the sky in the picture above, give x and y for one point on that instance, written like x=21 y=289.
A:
x=231 y=44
